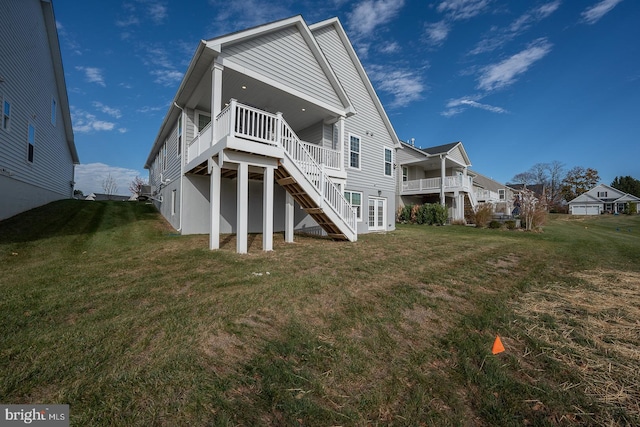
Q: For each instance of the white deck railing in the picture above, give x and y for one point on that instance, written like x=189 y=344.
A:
x=487 y=195
x=241 y=121
x=432 y=184
x=315 y=174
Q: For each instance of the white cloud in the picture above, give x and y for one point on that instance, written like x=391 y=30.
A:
x=89 y=177
x=457 y=106
x=230 y=16
x=437 y=32
x=404 y=85
x=462 y=9
x=113 y=112
x=167 y=77
x=84 y=122
x=147 y=109
x=505 y=73
x=594 y=13
x=500 y=37
x=92 y=75
x=392 y=47
x=367 y=16
x=157 y=12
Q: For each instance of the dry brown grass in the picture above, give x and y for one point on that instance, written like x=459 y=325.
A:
x=593 y=329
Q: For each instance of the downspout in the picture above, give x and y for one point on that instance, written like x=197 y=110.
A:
x=181 y=164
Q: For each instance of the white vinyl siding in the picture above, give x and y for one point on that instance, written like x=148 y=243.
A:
x=174 y=201
x=355 y=198
x=388 y=161
x=28 y=91
x=54 y=113
x=285 y=57
x=179 y=144
x=354 y=151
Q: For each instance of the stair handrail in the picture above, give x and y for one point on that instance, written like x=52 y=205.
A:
x=316 y=175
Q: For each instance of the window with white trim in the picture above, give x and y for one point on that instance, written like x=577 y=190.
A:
x=164 y=156
x=405 y=174
x=354 y=151
x=31 y=142
x=54 y=105
x=388 y=161
x=355 y=198
x=202 y=120
x=6 y=114
x=501 y=194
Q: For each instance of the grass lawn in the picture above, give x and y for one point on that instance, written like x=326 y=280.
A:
x=106 y=309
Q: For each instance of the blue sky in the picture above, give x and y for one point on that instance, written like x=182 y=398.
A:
x=518 y=82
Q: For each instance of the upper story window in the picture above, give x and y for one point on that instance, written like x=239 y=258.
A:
x=388 y=161
x=354 y=151
x=164 y=156
x=501 y=194
x=202 y=121
x=405 y=174
x=54 y=105
x=179 y=145
x=31 y=142
x=6 y=115
x=602 y=194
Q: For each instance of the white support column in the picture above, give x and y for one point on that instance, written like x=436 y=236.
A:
x=267 y=210
x=456 y=205
x=340 y=146
x=288 y=218
x=242 y=217
x=216 y=97
x=214 y=204
x=443 y=170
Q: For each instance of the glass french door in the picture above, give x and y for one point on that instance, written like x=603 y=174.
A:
x=377 y=210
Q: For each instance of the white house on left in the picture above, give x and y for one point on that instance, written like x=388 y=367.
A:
x=37 y=149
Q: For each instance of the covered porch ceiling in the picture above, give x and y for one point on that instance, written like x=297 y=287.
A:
x=434 y=163
x=299 y=113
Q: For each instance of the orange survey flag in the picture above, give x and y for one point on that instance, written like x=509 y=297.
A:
x=497 y=346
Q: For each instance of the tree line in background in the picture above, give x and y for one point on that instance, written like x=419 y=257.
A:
x=559 y=185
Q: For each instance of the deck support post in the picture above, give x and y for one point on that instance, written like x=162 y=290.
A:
x=214 y=204
x=267 y=210
x=288 y=218
x=242 y=217
x=443 y=170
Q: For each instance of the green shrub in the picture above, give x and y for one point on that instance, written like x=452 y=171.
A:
x=495 y=224
x=511 y=225
x=404 y=214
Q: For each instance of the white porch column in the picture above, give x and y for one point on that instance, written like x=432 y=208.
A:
x=456 y=205
x=443 y=169
x=340 y=146
x=242 y=217
x=214 y=204
x=267 y=210
x=216 y=97
x=288 y=218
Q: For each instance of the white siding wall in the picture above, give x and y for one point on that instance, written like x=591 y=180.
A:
x=367 y=124
x=29 y=85
x=285 y=57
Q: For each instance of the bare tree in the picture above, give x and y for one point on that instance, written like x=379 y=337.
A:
x=549 y=176
x=136 y=185
x=109 y=186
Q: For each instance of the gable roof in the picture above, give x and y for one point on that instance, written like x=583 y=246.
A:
x=61 y=86
x=335 y=22
x=444 y=149
x=586 y=198
x=628 y=198
x=599 y=187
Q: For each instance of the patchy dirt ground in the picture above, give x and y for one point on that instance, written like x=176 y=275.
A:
x=595 y=329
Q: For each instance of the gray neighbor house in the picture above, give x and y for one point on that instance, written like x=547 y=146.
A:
x=37 y=149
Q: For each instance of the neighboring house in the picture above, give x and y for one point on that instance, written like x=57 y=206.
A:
x=601 y=199
x=436 y=175
x=299 y=139
x=488 y=190
x=37 y=150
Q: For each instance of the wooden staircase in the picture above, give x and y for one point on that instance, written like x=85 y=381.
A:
x=285 y=180
x=469 y=211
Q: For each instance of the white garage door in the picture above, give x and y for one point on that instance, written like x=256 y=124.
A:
x=585 y=209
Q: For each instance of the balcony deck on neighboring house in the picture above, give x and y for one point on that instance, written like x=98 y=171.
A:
x=433 y=185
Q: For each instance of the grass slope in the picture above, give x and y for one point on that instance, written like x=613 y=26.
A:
x=104 y=308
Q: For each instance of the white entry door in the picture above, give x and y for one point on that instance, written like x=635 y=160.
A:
x=377 y=214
